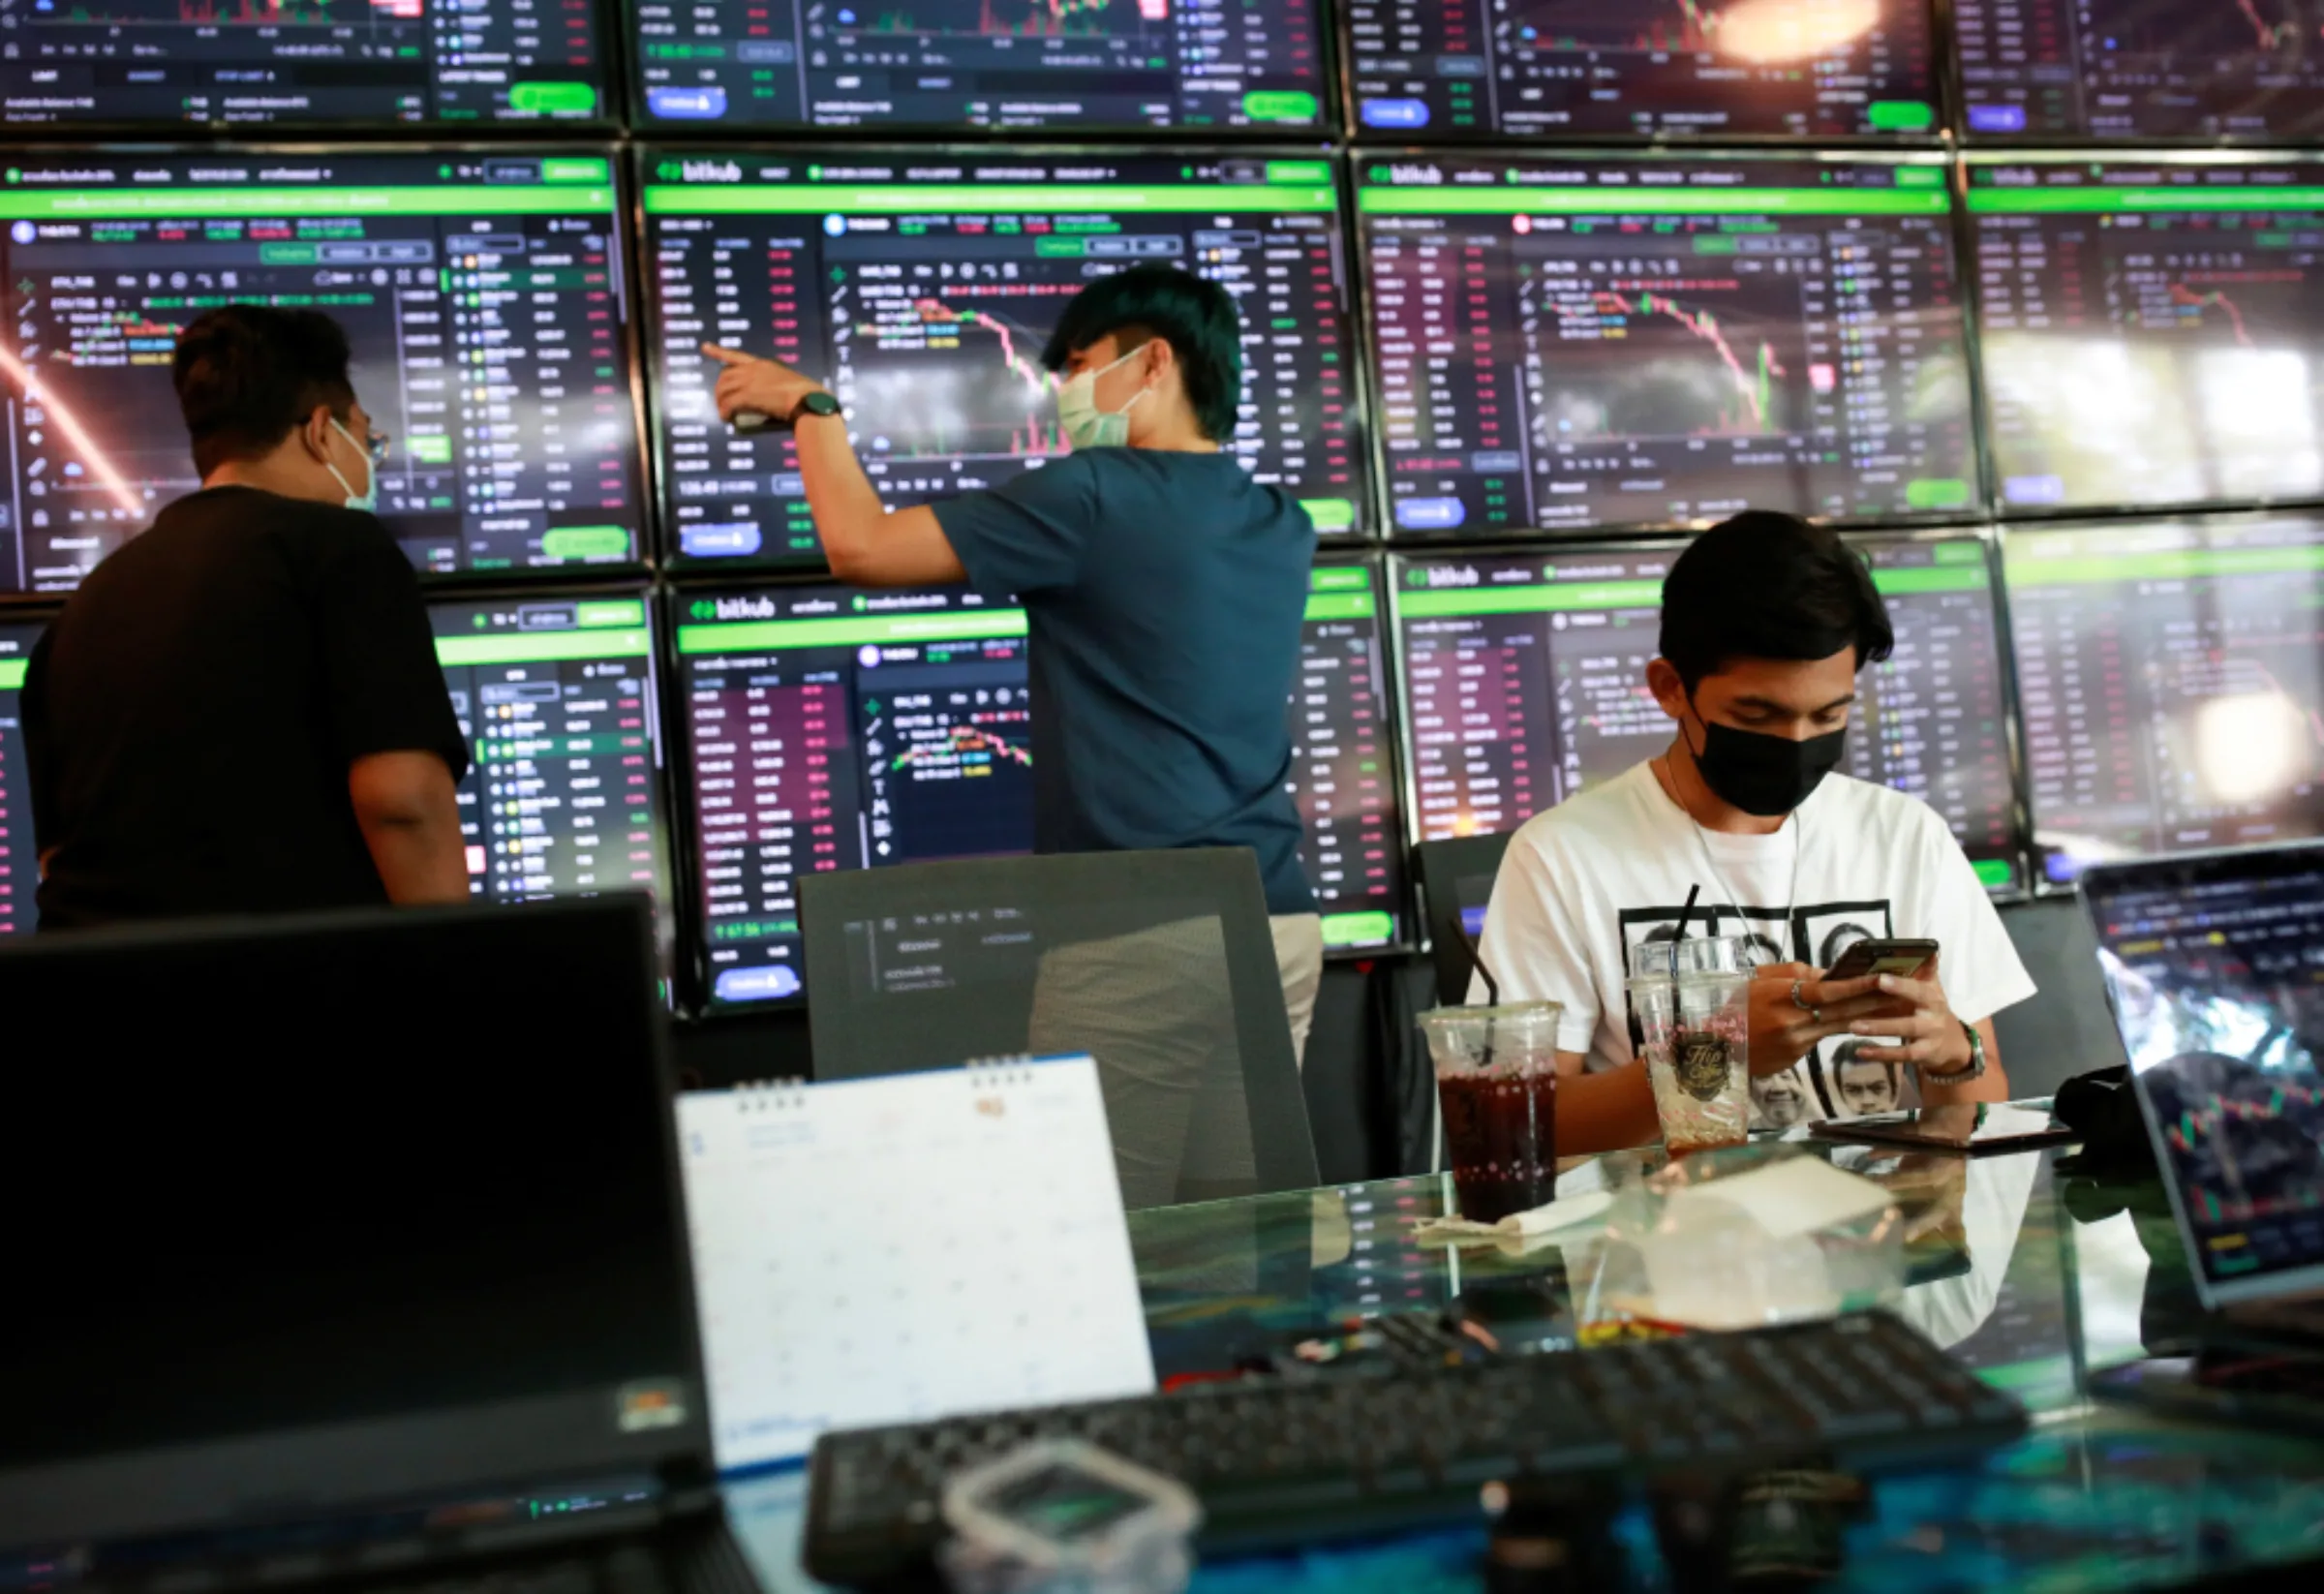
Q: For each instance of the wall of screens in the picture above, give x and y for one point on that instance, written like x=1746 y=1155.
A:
x=1529 y=289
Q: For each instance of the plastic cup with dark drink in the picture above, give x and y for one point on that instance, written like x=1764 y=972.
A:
x=1496 y=1078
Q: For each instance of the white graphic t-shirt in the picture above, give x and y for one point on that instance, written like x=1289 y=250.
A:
x=1613 y=867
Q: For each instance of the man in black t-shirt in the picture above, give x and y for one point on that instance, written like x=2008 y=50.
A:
x=241 y=711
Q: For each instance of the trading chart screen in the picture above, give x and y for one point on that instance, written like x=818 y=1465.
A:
x=2171 y=677
x=482 y=295
x=452 y=62
x=923 y=292
x=834 y=730
x=563 y=794
x=1658 y=342
x=1063 y=65
x=2151 y=332
x=1807 y=67
x=2218 y=986
x=19 y=869
x=2142 y=69
x=1525 y=682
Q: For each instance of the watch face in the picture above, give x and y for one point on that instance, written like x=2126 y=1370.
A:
x=819 y=404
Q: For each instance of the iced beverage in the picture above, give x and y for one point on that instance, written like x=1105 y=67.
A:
x=1697 y=1034
x=1496 y=1080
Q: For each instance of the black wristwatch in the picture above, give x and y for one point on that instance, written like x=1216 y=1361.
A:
x=816 y=403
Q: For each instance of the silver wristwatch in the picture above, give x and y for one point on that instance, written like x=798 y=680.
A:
x=1976 y=1061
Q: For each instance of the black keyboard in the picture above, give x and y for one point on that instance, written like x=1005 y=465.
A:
x=1277 y=1462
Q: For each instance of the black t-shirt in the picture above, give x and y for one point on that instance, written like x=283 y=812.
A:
x=190 y=719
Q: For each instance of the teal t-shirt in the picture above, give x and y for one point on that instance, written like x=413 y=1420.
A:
x=1165 y=593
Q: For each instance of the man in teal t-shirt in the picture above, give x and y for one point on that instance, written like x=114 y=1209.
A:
x=1164 y=587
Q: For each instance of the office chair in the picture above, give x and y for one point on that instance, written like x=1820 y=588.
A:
x=1160 y=964
x=1457 y=884
x=2069 y=1028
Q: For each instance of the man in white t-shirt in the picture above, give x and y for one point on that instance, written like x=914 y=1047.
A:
x=1765 y=622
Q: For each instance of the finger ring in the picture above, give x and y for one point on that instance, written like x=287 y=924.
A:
x=1797 y=1000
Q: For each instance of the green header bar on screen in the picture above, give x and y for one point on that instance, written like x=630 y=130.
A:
x=852 y=630
x=2043 y=202
x=1547 y=598
x=2172 y=564
x=1341 y=607
x=543 y=647
x=11 y=673
x=1612 y=202
x=450 y=199
x=971 y=198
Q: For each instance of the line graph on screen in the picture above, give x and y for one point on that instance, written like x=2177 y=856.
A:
x=954 y=379
x=1679 y=357
x=230 y=14
x=1004 y=18
x=2221 y=31
x=1768 y=30
x=2251 y=304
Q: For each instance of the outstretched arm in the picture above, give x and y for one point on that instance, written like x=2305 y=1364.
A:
x=865 y=545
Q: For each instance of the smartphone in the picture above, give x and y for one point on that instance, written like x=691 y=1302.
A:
x=1909 y=958
x=1977 y=1128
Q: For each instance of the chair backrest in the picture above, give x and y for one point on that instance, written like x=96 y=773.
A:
x=1456 y=883
x=2069 y=1028
x=1160 y=964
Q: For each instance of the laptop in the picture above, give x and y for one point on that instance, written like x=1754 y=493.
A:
x=348 y=1250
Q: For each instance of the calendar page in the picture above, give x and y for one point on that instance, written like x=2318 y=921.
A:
x=884 y=1250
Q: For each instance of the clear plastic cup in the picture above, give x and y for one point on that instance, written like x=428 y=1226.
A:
x=1496 y=1080
x=1695 y=955
x=1696 y=1030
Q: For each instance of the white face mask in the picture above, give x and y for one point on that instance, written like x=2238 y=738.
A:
x=1086 y=425
x=368 y=500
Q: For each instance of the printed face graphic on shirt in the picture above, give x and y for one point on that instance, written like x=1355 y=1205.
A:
x=1867 y=1085
x=1816 y=935
x=1778 y=1100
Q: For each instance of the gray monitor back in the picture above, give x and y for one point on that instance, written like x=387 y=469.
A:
x=2068 y=1029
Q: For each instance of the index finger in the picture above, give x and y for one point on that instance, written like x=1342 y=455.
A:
x=729 y=357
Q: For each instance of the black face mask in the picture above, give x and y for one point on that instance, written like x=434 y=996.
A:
x=1765 y=775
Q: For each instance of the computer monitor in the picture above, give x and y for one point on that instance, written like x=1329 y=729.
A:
x=2146 y=329
x=1663 y=340
x=1051 y=66
x=378 y=1208
x=833 y=730
x=19 y=859
x=923 y=288
x=482 y=293
x=2216 y=967
x=2138 y=69
x=1434 y=69
x=559 y=700
x=2170 y=676
x=277 y=64
x=1526 y=682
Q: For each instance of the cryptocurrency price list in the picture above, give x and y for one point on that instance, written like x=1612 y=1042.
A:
x=1661 y=342
x=2148 y=331
x=1525 y=682
x=2140 y=69
x=1426 y=68
x=926 y=305
x=835 y=730
x=19 y=870
x=481 y=295
x=301 y=62
x=2171 y=678
x=563 y=796
x=1065 y=64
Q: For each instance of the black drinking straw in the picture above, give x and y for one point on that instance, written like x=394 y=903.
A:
x=1493 y=997
x=1688 y=912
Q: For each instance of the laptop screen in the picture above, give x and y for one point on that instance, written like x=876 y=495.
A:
x=2216 y=967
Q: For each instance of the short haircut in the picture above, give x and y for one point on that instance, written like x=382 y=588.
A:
x=1194 y=315
x=1766 y=585
x=247 y=374
x=1850 y=1054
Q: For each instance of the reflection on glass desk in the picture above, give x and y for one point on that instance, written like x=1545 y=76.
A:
x=2030 y=1275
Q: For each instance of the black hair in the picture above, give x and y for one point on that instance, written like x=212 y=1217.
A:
x=247 y=374
x=1194 y=315
x=1766 y=585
